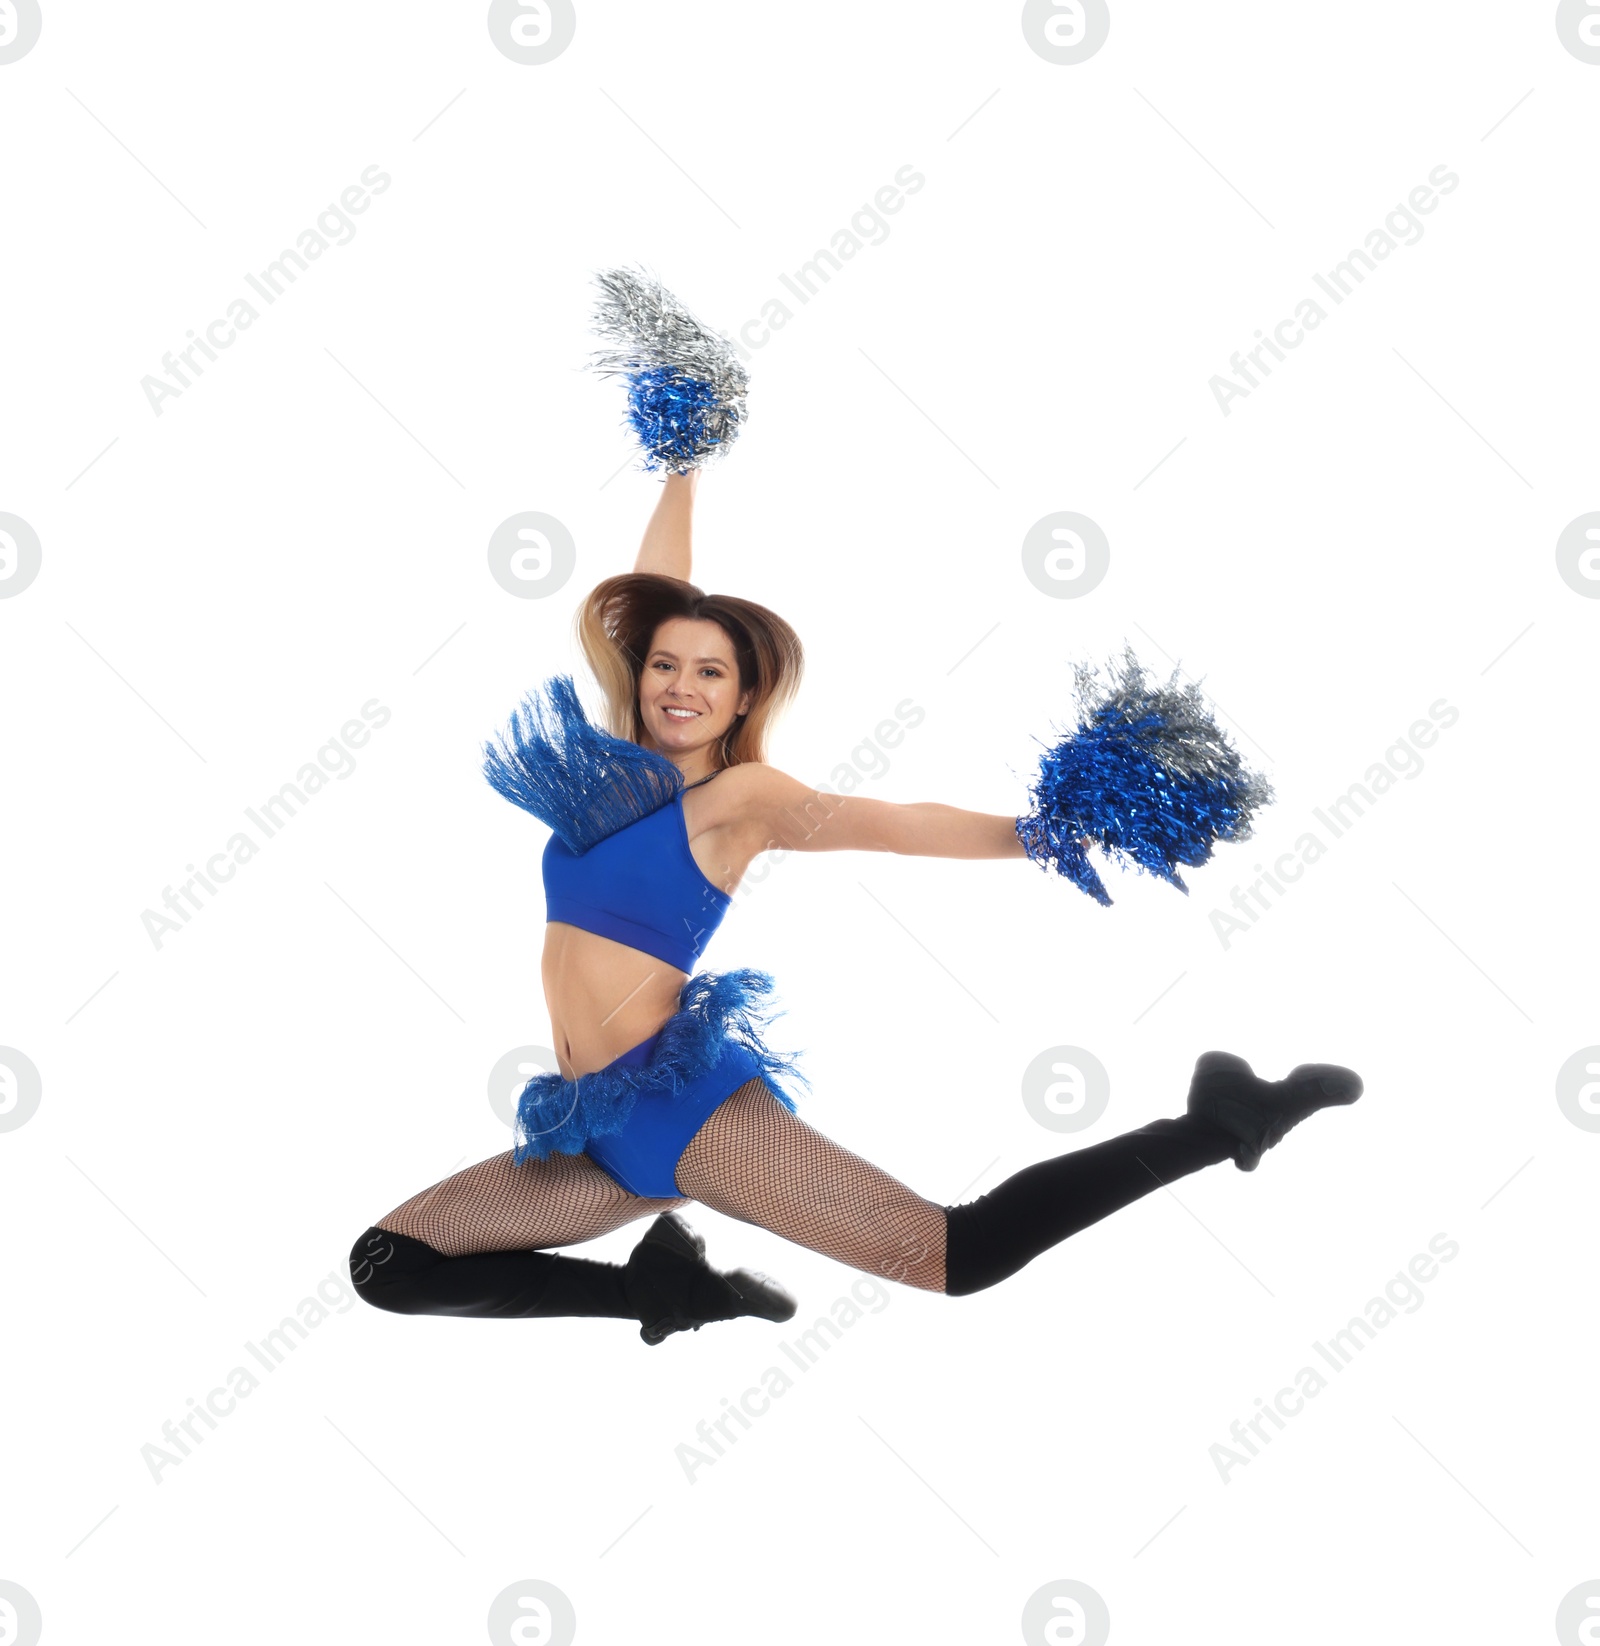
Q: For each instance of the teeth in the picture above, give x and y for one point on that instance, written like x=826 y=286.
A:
x=684 y=714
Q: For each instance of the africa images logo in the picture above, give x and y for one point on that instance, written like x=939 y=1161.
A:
x=20 y=23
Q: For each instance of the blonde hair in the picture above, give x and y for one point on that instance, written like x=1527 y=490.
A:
x=616 y=627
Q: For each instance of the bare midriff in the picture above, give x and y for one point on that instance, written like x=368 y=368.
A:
x=604 y=997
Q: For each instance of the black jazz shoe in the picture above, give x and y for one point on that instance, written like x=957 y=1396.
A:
x=672 y=1288
x=1259 y=1112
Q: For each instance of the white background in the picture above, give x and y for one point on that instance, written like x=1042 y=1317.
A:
x=304 y=529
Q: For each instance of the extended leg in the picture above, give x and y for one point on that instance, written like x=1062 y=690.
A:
x=755 y=1160
x=993 y=1236
x=758 y=1162
x=1232 y=1114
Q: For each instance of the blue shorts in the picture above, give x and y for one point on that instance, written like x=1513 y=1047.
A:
x=636 y=1116
x=643 y=1157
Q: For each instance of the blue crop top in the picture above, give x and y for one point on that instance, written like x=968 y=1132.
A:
x=618 y=863
x=640 y=886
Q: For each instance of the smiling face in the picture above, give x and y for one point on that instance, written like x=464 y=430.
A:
x=689 y=691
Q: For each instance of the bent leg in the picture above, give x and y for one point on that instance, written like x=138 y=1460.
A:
x=757 y=1161
x=408 y=1277
x=468 y=1245
x=499 y=1206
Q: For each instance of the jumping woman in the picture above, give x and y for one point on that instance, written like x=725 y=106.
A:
x=667 y=1092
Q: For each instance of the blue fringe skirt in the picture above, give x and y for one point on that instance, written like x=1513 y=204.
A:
x=635 y=1117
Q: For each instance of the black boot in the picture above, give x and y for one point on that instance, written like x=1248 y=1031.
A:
x=672 y=1288
x=1259 y=1112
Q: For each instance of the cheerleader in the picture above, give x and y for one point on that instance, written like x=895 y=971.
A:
x=667 y=1091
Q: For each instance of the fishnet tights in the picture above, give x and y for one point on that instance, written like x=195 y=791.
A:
x=752 y=1160
x=496 y=1206
x=756 y=1161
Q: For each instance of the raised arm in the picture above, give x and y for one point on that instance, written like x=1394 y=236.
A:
x=781 y=812
x=666 y=546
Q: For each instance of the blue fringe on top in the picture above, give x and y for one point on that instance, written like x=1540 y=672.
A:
x=579 y=780
x=558 y=1116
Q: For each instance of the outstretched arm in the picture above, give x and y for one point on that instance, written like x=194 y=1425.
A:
x=782 y=812
x=666 y=546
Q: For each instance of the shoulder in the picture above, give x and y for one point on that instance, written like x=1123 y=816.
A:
x=758 y=795
x=753 y=789
x=772 y=808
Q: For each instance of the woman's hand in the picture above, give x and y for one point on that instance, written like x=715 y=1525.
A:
x=667 y=539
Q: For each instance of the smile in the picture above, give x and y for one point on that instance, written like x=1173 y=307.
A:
x=683 y=714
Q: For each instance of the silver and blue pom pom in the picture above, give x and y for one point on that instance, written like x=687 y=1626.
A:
x=686 y=384
x=1148 y=776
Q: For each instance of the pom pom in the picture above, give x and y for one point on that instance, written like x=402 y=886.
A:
x=1148 y=776
x=686 y=384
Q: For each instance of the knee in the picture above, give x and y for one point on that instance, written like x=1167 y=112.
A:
x=917 y=1259
x=973 y=1259
x=384 y=1266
